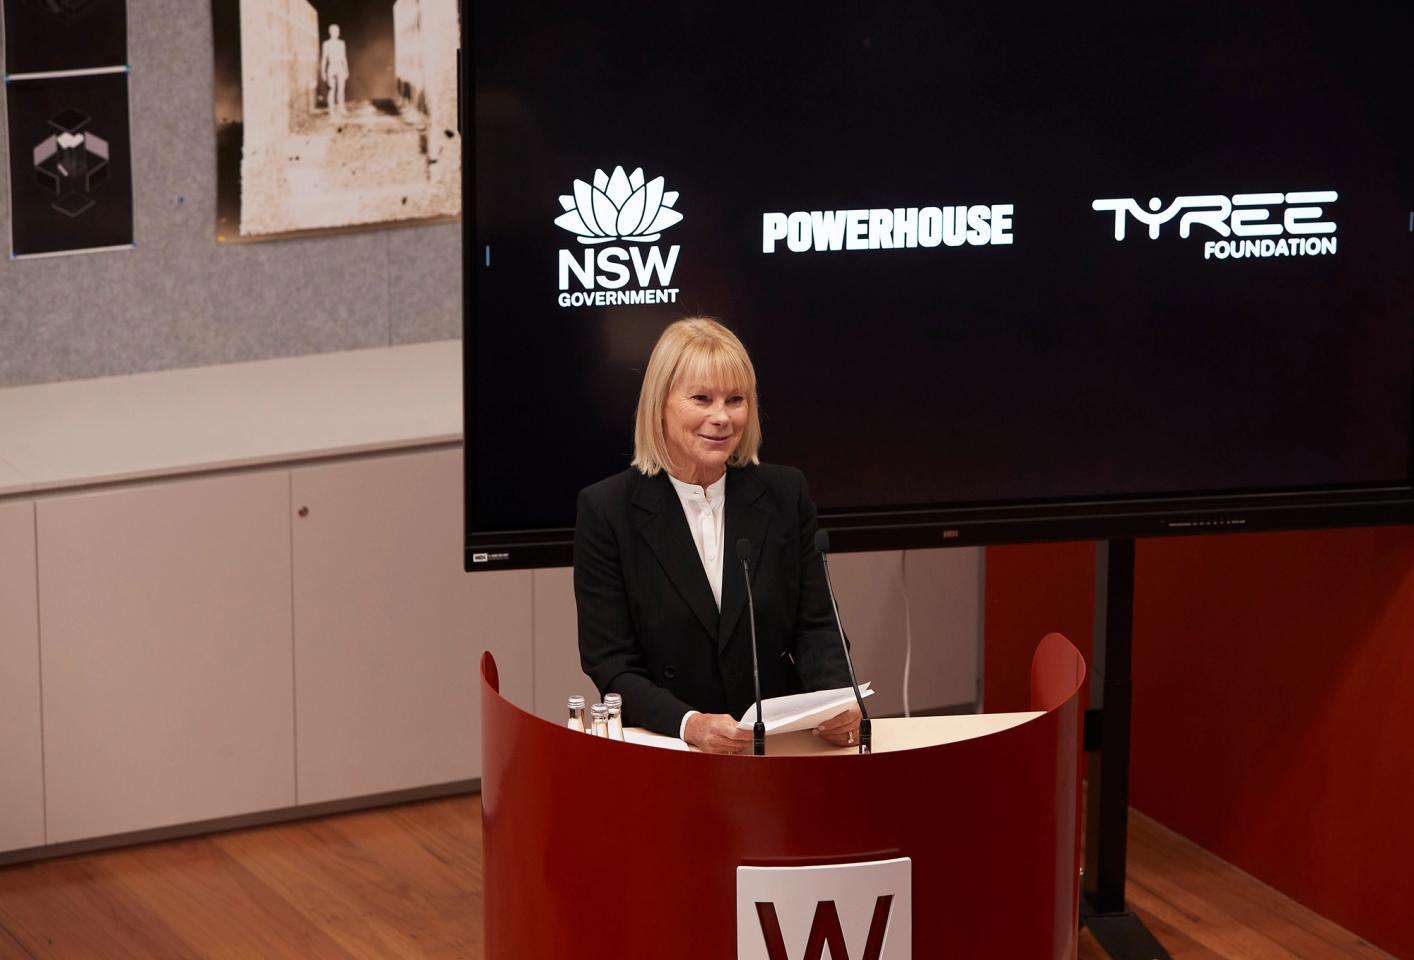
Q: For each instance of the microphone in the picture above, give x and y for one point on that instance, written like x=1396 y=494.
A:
x=822 y=546
x=758 y=732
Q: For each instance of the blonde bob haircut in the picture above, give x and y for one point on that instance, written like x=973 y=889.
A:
x=696 y=349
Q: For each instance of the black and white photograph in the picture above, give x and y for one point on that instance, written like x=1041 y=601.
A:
x=48 y=36
x=334 y=115
x=70 y=164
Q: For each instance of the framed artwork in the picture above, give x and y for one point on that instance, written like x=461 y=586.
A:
x=70 y=164
x=53 y=36
x=334 y=115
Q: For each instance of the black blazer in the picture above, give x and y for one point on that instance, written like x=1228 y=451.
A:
x=649 y=628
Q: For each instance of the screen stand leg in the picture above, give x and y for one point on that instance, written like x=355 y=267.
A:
x=1102 y=908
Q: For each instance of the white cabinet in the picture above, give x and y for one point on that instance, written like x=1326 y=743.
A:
x=167 y=677
x=178 y=644
x=389 y=630
x=21 y=764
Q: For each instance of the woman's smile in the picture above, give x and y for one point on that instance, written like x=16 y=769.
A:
x=702 y=425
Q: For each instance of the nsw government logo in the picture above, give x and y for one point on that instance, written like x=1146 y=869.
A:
x=630 y=209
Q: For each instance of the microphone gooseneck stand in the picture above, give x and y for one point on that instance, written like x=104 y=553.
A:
x=758 y=732
x=822 y=546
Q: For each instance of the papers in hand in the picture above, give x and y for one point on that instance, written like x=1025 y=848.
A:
x=802 y=711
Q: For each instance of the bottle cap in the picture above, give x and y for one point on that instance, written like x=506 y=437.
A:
x=599 y=710
x=576 y=702
x=612 y=700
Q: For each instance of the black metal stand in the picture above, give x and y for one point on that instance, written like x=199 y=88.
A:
x=1102 y=908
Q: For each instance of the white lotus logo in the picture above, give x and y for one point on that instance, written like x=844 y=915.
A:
x=618 y=207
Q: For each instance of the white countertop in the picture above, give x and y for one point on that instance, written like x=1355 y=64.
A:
x=11 y=480
x=82 y=432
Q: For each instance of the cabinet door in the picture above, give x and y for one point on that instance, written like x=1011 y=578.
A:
x=166 y=650
x=389 y=630
x=21 y=768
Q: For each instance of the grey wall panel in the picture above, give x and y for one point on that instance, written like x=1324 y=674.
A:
x=166 y=305
x=304 y=296
x=68 y=318
x=174 y=139
x=179 y=299
x=425 y=284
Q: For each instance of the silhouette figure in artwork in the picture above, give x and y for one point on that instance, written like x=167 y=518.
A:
x=334 y=68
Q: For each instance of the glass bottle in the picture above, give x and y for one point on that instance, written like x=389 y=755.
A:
x=576 y=720
x=615 y=703
x=599 y=715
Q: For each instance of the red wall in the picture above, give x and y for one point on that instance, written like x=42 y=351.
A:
x=1273 y=701
x=1031 y=591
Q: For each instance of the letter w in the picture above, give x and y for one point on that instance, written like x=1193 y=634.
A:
x=828 y=227
x=825 y=929
x=645 y=267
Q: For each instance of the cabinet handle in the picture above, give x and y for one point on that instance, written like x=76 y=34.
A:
x=304 y=511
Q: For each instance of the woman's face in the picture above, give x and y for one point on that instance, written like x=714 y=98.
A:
x=702 y=424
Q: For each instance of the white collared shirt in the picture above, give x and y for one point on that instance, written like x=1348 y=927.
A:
x=706 y=518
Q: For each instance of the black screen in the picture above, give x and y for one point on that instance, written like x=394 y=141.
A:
x=987 y=341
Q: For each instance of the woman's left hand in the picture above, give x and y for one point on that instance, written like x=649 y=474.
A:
x=841 y=730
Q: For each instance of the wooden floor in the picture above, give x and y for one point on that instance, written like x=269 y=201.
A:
x=1202 y=908
x=406 y=882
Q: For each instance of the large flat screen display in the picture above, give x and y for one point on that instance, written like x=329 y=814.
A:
x=1005 y=273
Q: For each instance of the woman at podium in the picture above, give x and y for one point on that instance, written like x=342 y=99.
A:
x=659 y=589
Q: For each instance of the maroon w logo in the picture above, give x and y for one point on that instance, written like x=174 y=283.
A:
x=825 y=929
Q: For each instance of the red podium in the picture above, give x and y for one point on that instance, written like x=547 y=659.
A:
x=595 y=847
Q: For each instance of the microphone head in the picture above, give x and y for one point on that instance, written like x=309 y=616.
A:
x=822 y=541
x=743 y=549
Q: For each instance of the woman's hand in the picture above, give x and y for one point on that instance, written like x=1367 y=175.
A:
x=842 y=730
x=716 y=733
